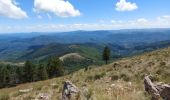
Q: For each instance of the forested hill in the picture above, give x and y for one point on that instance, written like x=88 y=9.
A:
x=18 y=46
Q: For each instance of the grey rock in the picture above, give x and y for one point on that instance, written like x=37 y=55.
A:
x=69 y=91
x=157 y=91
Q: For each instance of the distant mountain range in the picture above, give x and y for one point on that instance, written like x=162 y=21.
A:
x=22 y=46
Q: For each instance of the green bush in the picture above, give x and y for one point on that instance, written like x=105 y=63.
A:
x=125 y=77
x=98 y=76
x=114 y=77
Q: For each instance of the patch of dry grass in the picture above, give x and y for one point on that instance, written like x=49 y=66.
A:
x=121 y=80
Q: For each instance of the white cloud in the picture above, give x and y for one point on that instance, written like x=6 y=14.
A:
x=142 y=20
x=117 y=21
x=123 y=5
x=113 y=21
x=164 y=18
x=159 y=22
x=60 y=8
x=10 y=9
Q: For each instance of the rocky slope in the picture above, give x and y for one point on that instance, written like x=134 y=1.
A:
x=120 y=80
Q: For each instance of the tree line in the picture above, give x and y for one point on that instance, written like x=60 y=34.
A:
x=11 y=75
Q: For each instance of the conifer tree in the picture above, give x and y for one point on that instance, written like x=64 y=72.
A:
x=42 y=72
x=4 y=76
x=29 y=71
x=106 y=54
x=54 y=67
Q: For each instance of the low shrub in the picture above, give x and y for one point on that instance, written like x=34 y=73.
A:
x=98 y=76
x=162 y=63
x=154 y=78
x=114 y=77
x=4 y=96
x=89 y=94
x=95 y=77
x=125 y=77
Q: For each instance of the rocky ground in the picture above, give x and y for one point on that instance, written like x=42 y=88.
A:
x=120 y=80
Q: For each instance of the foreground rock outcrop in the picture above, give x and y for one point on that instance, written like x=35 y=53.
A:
x=70 y=91
x=157 y=91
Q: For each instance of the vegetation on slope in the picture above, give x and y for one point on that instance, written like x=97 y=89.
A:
x=11 y=75
x=120 y=80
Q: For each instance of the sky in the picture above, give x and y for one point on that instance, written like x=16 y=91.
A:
x=71 y=15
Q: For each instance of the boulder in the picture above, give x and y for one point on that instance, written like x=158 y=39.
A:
x=164 y=91
x=157 y=91
x=69 y=91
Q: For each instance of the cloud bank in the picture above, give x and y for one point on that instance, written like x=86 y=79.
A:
x=140 y=23
x=61 y=8
x=9 y=8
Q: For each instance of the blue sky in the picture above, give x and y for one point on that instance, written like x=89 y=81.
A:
x=68 y=15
